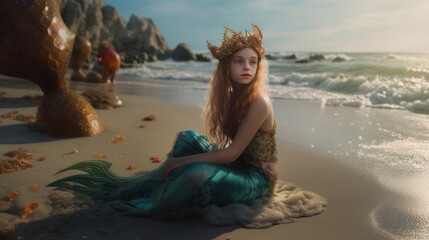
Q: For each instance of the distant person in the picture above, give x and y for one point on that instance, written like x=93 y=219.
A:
x=110 y=60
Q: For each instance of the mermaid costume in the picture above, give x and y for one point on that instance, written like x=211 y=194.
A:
x=187 y=188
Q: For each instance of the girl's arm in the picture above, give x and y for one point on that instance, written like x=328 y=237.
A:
x=259 y=111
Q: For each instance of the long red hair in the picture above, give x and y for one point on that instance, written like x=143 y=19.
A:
x=226 y=105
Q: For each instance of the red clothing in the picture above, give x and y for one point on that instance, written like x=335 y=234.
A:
x=109 y=58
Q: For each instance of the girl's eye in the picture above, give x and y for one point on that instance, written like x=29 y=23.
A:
x=242 y=61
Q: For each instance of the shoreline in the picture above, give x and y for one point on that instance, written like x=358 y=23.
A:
x=352 y=196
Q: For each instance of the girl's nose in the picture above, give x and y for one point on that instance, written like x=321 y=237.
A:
x=246 y=66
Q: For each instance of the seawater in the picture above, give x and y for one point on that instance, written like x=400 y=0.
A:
x=369 y=110
x=372 y=106
x=379 y=80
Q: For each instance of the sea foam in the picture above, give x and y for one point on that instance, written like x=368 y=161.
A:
x=288 y=203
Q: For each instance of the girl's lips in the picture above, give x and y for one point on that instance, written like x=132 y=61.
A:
x=246 y=75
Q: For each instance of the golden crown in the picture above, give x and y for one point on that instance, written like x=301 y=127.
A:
x=233 y=41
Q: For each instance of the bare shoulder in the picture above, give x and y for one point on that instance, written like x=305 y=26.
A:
x=262 y=101
x=263 y=106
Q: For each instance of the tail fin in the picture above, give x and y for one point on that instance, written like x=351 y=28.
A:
x=98 y=183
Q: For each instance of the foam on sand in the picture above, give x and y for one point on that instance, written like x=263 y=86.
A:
x=288 y=203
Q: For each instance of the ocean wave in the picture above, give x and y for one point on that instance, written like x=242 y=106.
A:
x=418 y=57
x=381 y=80
x=167 y=72
x=409 y=93
x=388 y=71
x=322 y=57
x=418 y=107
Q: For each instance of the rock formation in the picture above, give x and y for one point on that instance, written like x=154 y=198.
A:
x=183 y=53
x=36 y=45
x=145 y=37
x=137 y=41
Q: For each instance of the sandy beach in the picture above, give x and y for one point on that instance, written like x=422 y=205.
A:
x=130 y=143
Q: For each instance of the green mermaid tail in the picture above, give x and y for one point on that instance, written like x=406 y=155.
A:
x=192 y=186
x=97 y=183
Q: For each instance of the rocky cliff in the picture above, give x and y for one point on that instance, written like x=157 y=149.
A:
x=138 y=40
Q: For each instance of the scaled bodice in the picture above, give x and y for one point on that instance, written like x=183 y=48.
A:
x=261 y=155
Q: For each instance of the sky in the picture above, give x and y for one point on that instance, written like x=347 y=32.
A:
x=291 y=25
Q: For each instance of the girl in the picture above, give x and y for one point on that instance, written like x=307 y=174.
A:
x=240 y=166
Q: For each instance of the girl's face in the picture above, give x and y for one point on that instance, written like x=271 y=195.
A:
x=244 y=65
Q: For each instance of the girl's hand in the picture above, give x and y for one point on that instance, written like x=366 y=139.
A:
x=169 y=165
